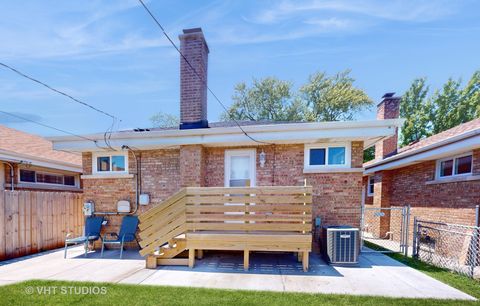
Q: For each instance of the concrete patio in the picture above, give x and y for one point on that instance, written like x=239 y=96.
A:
x=377 y=274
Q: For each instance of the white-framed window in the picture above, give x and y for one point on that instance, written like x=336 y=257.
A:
x=48 y=178
x=328 y=155
x=115 y=162
x=371 y=186
x=458 y=165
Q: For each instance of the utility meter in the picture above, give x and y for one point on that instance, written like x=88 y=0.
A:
x=88 y=208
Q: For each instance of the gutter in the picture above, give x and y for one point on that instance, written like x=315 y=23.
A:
x=451 y=140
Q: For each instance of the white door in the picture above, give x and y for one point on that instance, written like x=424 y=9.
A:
x=239 y=172
x=239 y=168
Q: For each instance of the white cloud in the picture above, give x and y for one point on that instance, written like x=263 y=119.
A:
x=420 y=10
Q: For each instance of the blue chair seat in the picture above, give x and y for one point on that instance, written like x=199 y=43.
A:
x=93 y=226
x=81 y=239
x=126 y=234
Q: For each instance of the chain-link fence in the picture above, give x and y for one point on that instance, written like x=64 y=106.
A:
x=452 y=246
x=385 y=229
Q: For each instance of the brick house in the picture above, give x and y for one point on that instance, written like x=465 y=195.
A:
x=438 y=176
x=30 y=162
x=158 y=162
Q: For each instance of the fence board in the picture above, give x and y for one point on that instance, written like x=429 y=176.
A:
x=32 y=221
x=2 y=226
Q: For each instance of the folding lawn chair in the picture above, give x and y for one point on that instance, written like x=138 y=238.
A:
x=93 y=225
x=126 y=234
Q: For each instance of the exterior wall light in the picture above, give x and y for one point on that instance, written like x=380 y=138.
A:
x=263 y=159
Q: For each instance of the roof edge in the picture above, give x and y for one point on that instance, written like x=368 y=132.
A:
x=444 y=142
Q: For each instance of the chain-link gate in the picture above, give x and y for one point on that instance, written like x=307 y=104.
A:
x=451 y=246
x=385 y=229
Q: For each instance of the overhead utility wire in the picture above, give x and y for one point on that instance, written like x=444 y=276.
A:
x=108 y=131
x=198 y=75
x=58 y=91
x=47 y=126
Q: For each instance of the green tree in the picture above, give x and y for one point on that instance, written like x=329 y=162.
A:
x=164 y=120
x=446 y=108
x=266 y=99
x=333 y=98
x=369 y=154
x=469 y=106
x=416 y=111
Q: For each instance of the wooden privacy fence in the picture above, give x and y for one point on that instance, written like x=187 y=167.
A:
x=33 y=221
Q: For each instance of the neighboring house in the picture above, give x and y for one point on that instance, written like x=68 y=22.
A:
x=328 y=155
x=438 y=176
x=32 y=164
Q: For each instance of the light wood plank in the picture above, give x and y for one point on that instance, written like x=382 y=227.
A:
x=191 y=258
x=2 y=225
x=172 y=261
x=281 y=208
x=249 y=226
x=305 y=261
x=249 y=190
x=259 y=199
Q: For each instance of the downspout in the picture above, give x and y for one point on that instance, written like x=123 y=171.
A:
x=137 y=177
x=11 y=175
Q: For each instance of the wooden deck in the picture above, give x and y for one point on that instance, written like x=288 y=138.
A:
x=218 y=218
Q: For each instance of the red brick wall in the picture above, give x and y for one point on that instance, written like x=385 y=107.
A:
x=336 y=196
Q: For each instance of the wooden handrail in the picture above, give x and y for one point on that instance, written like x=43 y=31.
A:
x=162 y=223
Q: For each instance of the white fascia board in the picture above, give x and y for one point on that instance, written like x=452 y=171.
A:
x=217 y=137
x=14 y=157
x=453 y=148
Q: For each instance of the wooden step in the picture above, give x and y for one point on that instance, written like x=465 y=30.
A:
x=172 y=249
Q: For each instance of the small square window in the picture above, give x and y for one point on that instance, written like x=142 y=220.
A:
x=446 y=168
x=336 y=155
x=103 y=163
x=69 y=180
x=463 y=165
x=317 y=157
x=118 y=163
x=27 y=176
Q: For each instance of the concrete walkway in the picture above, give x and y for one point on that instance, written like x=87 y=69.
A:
x=377 y=274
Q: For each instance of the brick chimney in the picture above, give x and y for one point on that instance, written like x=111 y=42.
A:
x=389 y=108
x=193 y=89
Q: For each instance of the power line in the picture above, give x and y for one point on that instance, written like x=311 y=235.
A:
x=47 y=126
x=198 y=75
x=57 y=91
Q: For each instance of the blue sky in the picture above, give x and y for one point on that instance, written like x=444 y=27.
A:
x=111 y=55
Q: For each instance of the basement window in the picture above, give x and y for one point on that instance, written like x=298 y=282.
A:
x=331 y=155
x=454 y=166
x=110 y=163
x=40 y=177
